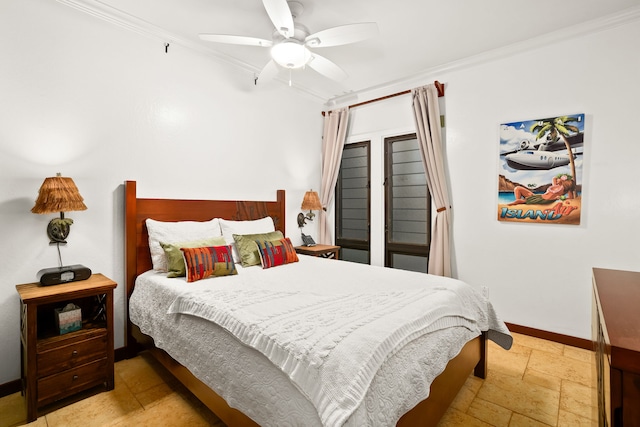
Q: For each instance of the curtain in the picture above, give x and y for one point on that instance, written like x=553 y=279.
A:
x=427 y=118
x=334 y=135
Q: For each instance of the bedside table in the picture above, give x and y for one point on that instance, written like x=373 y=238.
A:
x=56 y=366
x=324 y=251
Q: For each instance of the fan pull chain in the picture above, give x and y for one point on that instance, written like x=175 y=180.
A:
x=289 y=77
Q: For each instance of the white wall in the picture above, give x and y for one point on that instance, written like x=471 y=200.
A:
x=538 y=275
x=103 y=105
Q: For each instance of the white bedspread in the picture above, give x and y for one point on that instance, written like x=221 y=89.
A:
x=330 y=326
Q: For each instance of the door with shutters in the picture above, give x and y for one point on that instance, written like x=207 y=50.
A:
x=353 y=203
x=407 y=205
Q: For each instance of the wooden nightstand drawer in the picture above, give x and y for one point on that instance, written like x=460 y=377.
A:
x=66 y=383
x=72 y=355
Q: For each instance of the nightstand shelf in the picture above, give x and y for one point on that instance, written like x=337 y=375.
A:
x=324 y=251
x=54 y=365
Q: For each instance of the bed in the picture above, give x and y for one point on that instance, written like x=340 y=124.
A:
x=246 y=380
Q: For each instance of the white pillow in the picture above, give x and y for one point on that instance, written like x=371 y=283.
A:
x=175 y=232
x=229 y=228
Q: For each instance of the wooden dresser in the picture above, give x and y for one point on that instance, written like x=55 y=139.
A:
x=54 y=365
x=616 y=333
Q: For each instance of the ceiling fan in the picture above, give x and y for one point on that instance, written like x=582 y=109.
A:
x=291 y=41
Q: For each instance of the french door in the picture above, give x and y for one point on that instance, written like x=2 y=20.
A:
x=407 y=205
x=353 y=203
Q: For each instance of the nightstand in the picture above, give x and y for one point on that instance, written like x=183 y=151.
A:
x=324 y=251
x=56 y=366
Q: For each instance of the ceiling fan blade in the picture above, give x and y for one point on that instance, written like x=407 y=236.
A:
x=280 y=15
x=241 y=40
x=326 y=67
x=269 y=72
x=343 y=34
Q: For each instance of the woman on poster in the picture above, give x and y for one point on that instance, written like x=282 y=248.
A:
x=561 y=185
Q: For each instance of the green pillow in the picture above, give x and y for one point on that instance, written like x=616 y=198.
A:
x=247 y=248
x=175 y=259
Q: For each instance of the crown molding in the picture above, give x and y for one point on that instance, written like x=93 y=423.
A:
x=132 y=23
x=590 y=27
x=139 y=26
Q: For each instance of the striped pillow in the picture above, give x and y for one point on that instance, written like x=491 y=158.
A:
x=175 y=257
x=210 y=261
x=276 y=252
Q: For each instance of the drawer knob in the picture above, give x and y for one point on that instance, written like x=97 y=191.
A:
x=75 y=377
x=74 y=353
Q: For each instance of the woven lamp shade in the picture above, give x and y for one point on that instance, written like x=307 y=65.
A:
x=58 y=194
x=311 y=201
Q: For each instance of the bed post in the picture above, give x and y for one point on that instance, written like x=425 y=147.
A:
x=480 y=370
x=131 y=258
x=282 y=217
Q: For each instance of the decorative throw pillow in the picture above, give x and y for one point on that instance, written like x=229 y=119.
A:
x=276 y=252
x=175 y=259
x=177 y=231
x=210 y=261
x=255 y=226
x=248 y=249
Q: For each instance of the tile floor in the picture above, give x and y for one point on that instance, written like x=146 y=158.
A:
x=536 y=383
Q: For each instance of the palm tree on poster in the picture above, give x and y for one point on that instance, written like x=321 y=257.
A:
x=560 y=126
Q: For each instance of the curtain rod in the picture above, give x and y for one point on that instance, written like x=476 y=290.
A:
x=438 y=85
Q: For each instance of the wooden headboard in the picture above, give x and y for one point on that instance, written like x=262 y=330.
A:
x=136 y=237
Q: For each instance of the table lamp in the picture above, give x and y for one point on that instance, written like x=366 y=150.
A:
x=60 y=194
x=310 y=202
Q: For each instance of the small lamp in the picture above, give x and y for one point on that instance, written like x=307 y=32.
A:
x=310 y=202
x=58 y=194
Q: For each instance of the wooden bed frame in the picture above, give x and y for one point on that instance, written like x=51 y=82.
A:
x=138 y=260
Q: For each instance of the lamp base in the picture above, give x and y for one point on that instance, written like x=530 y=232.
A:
x=65 y=274
x=58 y=229
x=302 y=218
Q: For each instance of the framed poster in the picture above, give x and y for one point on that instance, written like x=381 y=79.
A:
x=540 y=170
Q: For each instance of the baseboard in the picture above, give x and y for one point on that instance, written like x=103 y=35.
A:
x=551 y=336
x=120 y=354
x=9 y=388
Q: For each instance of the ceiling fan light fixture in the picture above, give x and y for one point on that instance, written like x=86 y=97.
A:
x=292 y=45
x=290 y=53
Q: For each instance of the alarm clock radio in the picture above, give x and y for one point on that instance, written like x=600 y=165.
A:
x=65 y=274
